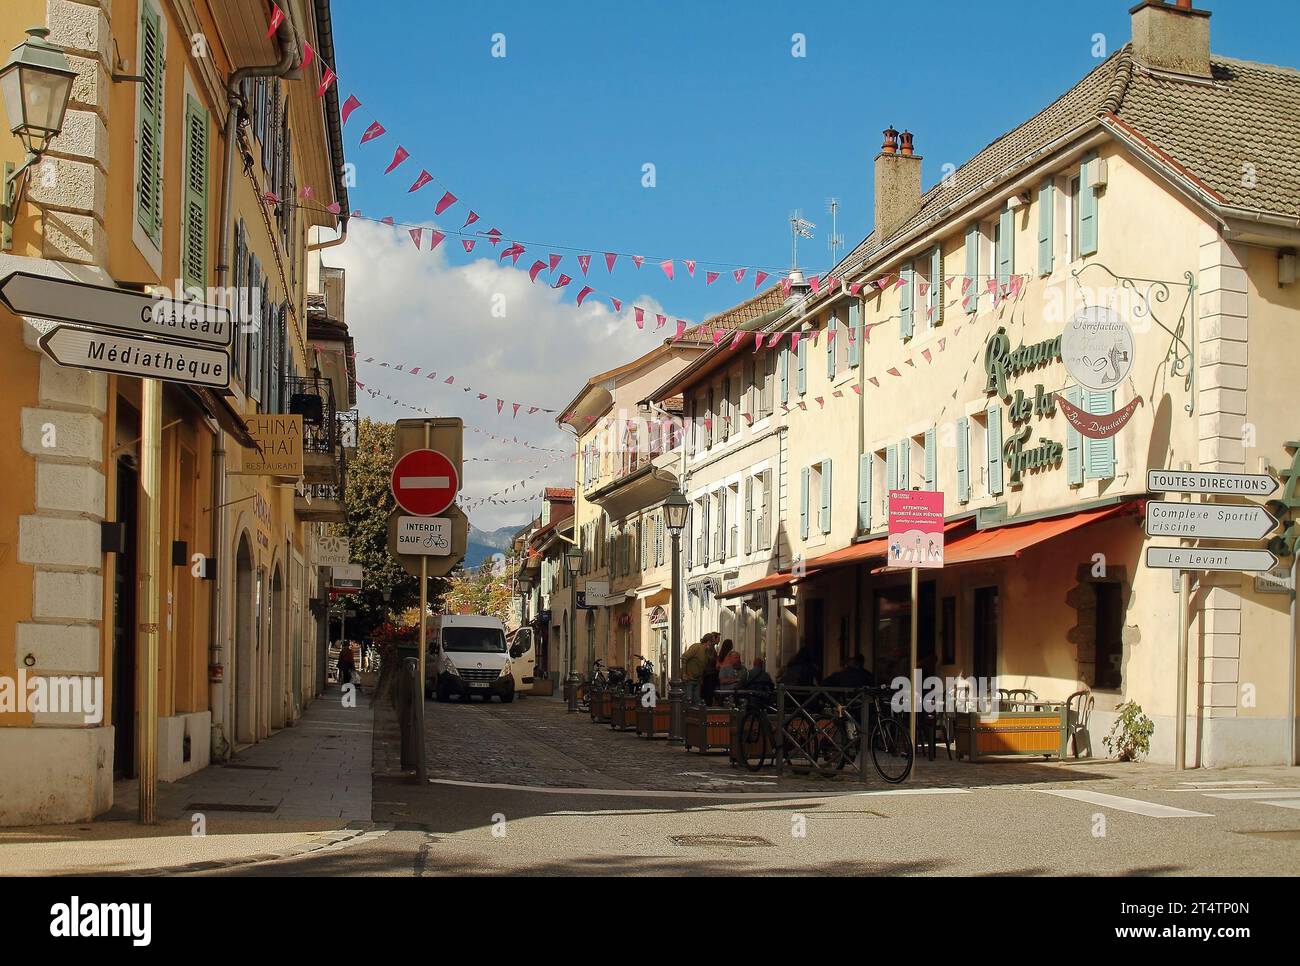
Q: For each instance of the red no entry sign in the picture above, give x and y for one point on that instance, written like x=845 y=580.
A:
x=424 y=482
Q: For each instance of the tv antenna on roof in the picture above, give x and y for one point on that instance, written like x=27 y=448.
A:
x=834 y=239
x=799 y=228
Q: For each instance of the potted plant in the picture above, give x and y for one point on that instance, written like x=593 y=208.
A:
x=1130 y=735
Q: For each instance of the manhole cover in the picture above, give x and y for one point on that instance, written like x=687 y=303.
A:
x=239 y=767
x=228 y=807
x=720 y=841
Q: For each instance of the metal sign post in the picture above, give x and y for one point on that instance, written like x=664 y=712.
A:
x=151 y=483
x=421 y=774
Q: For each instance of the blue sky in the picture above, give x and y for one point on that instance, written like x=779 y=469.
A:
x=548 y=143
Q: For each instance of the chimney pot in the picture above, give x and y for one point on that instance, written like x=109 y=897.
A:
x=891 y=141
x=898 y=183
x=906 y=143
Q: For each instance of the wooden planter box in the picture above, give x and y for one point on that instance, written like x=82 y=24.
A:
x=654 y=722
x=601 y=706
x=1041 y=732
x=707 y=729
x=623 y=709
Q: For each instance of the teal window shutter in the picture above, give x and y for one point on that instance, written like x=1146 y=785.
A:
x=1099 y=454
x=994 y=453
x=904 y=470
x=803 y=503
x=963 y=460
x=905 y=303
x=854 y=333
x=832 y=326
x=1046 y=220
x=1073 y=441
x=1006 y=248
x=1087 y=208
x=972 y=270
x=825 y=517
x=891 y=468
x=864 y=492
x=149 y=181
x=785 y=375
x=801 y=376
x=194 y=232
x=934 y=301
x=930 y=469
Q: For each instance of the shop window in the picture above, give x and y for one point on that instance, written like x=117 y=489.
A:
x=984 y=634
x=948 y=631
x=892 y=613
x=1109 y=641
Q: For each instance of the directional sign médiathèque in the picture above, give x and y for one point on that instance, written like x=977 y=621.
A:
x=1212 y=521
x=99 y=306
x=108 y=352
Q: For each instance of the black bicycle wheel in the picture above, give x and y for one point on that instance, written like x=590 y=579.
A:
x=891 y=750
x=800 y=746
x=833 y=749
x=755 y=740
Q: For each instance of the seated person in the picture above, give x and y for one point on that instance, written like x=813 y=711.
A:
x=852 y=675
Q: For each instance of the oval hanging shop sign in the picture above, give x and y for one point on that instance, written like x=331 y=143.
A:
x=1097 y=426
x=1097 y=348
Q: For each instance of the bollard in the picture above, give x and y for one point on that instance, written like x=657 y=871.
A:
x=408 y=712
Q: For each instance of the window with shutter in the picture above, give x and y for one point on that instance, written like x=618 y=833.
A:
x=993 y=454
x=825 y=517
x=970 y=285
x=194 y=213
x=963 y=460
x=931 y=482
x=864 y=493
x=239 y=308
x=689 y=533
x=891 y=468
x=904 y=465
x=906 y=301
x=785 y=373
x=934 y=297
x=749 y=513
x=855 y=333
x=765 y=520
x=769 y=378
x=1004 y=244
x=148 y=200
x=801 y=377
x=1046 y=219
x=803 y=502
x=1087 y=206
x=1073 y=441
x=1099 y=454
x=833 y=335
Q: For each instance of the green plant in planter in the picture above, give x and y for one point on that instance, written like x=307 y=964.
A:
x=1130 y=735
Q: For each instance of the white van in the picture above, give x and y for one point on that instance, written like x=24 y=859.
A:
x=523 y=659
x=468 y=655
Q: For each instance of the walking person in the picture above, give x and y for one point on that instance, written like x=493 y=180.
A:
x=347 y=663
x=709 y=682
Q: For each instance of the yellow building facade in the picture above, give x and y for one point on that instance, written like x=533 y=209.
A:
x=144 y=191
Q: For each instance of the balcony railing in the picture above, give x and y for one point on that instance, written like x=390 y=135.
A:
x=313 y=400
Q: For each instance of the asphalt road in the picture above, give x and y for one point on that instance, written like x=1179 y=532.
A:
x=526 y=789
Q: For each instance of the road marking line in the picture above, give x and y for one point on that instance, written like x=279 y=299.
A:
x=1197 y=785
x=659 y=793
x=1272 y=793
x=1138 y=807
x=423 y=482
x=1289 y=803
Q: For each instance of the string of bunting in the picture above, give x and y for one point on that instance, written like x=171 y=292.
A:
x=450 y=380
x=375 y=393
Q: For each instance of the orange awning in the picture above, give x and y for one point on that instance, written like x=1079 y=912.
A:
x=1013 y=539
x=770 y=582
x=868 y=549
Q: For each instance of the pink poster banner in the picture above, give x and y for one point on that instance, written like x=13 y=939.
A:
x=915 y=528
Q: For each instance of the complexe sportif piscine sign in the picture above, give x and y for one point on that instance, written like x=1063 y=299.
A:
x=1208 y=521
x=424 y=535
x=103 y=307
x=1209 y=558
x=1195 y=481
x=129 y=356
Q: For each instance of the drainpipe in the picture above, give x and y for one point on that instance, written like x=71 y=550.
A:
x=216 y=626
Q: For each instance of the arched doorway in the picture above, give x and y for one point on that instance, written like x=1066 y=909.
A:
x=277 y=649
x=245 y=715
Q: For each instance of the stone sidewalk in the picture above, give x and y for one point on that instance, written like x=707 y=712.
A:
x=305 y=789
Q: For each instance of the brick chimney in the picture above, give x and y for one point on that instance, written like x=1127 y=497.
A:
x=1172 y=37
x=898 y=182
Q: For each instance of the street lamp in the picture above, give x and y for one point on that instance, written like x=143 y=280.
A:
x=525 y=585
x=573 y=563
x=35 y=84
x=676 y=507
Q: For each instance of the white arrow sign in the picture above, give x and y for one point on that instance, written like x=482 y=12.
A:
x=128 y=356
x=1189 y=481
x=99 y=306
x=1209 y=558
x=1214 y=521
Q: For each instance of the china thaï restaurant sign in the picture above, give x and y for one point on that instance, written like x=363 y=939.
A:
x=279 y=446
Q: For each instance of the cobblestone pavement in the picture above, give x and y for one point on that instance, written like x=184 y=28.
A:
x=536 y=742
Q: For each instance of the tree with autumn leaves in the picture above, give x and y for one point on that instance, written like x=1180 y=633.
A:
x=485 y=590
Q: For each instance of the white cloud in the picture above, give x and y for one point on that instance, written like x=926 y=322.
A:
x=410 y=306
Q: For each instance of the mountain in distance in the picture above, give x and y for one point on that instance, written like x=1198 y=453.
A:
x=484 y=543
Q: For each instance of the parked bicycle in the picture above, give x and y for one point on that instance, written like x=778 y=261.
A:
x=758 y=742
x=838 y=733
